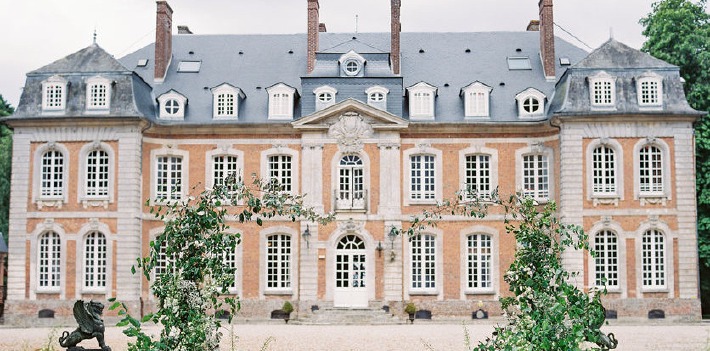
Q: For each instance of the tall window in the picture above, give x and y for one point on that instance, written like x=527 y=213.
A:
x=478 y=177
x=223 y=166
x=278 y=261
x=161 y=266
x=477 y=104
x=604 y=170
x=653 y=259
x=650 y=170
x=225 y=104
x=280 y=171
x=602 y=92
x=650 y=91
x=424 y=262
x=98 y=96
x=54 y=96
x=606 y=263
x=536 y=176
x=479 y=260
x=230 y=261
x=52 y=185
x=169 y=178
x=49 y=265
x=423 y=177
x=95 y=260
x=351 y=189
x=97 y=173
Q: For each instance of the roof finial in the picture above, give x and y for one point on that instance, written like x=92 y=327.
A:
x=355 y=24
x=611 y=32
x=94 y=35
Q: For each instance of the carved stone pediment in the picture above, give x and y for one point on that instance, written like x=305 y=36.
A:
x=349 y=131
x=377 y=119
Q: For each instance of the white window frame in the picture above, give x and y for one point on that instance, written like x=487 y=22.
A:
x=438 y=258
x=83 y=196
x=97 y=262
x=653 y=257
x=172 y=95
x=185 y=176
x=602 y=245
x=479 y=258
x=645 y=82
x=50 y=88
x=292 y=262
x=365 y=183
x=477 y=150
x=37 y=175
x=523 y=99
x=535 y=150
x=218 y=152
x=618 y=193
x=55 y=265
x=281 y=151
x=494 y=269
x=220 y=105
x=476 y=100
x=376 y=91
x=237 y=260
x=94 y=100
x=652 y=196
x=422 y=97
x=281 y=101
x=324 y=91
x=602 y=91
x=438 y=174
x=358 y=61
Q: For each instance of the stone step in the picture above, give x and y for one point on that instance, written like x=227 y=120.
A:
x=348 y=316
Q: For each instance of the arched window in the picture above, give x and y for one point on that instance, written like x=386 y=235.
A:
x=97 y=174
x=653 y=264
x=49 y=262
x=351 y=189
x=606 y=263
x=650 y=170
x=479 y=262
x=95 y=261
x=52 y=175
x=604 y=170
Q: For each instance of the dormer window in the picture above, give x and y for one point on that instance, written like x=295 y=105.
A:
x=476 y=99
x=172 y=105
x=54 y=94
x=421 y=101
x=325 y=97
x=377 y=97
x=602 y=90
x=98 y=94
x=531 y=103
x=351 y=64
x=281 y=98
x=225 y=101
x=650 y=90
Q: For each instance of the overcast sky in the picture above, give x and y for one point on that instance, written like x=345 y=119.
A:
x=38 y=32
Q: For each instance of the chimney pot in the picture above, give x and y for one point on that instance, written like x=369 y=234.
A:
x=184 y=30
x=533 y=26
x=321 y=28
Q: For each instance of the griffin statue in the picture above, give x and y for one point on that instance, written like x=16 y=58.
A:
x=88 y=315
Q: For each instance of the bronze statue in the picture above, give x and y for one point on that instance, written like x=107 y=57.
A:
x=88 y=315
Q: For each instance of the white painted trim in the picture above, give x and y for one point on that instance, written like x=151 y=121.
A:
x=650 y=77
x=602 y=77
x=236 y=93
x=85 y=230
x=37 y=175
x=382 y=105
x=81 y=185
x=530 y=93
x=493 y=163
x=294 y=264
x=59 y=82
x=225 y=150
x=621 y=236
x=538 y=149
x=666 y=168
x=618 y=168
x=295 y=162
x=185 y=169
x=416 y=115
x=281 y=88
x=668 y=235
x=495 y=261
x=325 y=89
x=91 y=107
x=182 y=105
x=335 y=179
x=468 y=92
x=422 y=149
x=370 y=257
x=438 y=291
x=41 y=229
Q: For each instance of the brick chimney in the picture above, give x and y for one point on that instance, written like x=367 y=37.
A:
x=547 y=38
x=313 y=27
x=396 y=28
x=163 y=39
x=322 y=28
x=533 y=26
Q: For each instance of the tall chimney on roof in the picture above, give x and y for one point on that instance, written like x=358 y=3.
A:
x=547 y=38
x=396 y=28
x=163 y=39
x=313 y=26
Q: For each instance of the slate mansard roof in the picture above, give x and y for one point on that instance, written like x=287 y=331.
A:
x=447 y=61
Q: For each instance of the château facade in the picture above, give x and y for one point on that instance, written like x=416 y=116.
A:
x=375 y=127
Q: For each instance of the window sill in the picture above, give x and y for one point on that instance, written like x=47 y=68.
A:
x=56 y=290
x=226 y=117
x=653 y=199
x=423 y=293
x=278 y=292
x=479 y=292
x=94 y=291
x=86 y=203
x=49 y=203
x=606 y=199
x=421 y=202
x=654 y=290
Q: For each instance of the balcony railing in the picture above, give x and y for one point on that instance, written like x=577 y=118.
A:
x=350 y=200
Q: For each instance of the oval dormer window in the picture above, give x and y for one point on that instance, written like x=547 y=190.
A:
x=531 y=105
x=325 y=97
x=377 y=97
x=352 y=67
x=172 y=107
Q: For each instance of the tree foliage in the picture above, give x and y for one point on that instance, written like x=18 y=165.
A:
x=5 y=167
x=678 y=31
x=191 y=252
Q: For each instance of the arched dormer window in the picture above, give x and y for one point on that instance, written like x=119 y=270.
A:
x=225 y=101
x=531 y=103
x=172 y=105
x=325 y=97
x=377 y=97
x=98 y=94
x=476 y=99
x=602 y=90
x=649 y=89
x=54 y=94
x=421 y=101
x=281 y=97
x=352 y=64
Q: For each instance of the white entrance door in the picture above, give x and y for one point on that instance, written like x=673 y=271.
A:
x=350 y=273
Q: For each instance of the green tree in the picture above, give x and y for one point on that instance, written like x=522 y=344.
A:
x=187 y=264
x=678 y=31
x=5 y=167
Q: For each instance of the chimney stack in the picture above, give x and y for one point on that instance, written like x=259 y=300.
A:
x=396 y=28
x=163 y=39
x=547 y=38
x=184 y=30
x=322 y=28
x=533 y=26
x=313 y=27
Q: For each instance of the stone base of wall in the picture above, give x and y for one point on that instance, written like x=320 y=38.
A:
x=26 y=313
x=684 y=310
